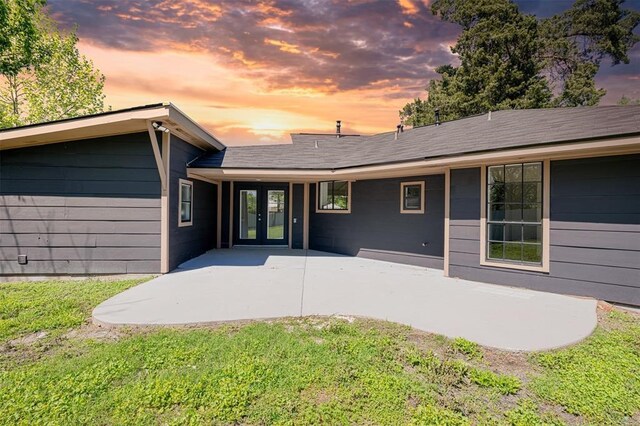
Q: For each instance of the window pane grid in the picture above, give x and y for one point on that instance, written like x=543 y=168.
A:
x=514 y=213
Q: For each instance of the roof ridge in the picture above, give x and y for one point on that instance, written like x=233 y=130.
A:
x=325 y=134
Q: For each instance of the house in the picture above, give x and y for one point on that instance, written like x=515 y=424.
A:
x=546 y=199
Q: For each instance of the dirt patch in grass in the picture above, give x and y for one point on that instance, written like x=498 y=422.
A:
x=513 y=363
x=28 y=339
x=95 y=332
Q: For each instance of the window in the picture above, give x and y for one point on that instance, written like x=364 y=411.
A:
x=334 y=197
x=186 y=203
x=412 y=197
x=248 y=217
x=514 y=213
x=275 y=217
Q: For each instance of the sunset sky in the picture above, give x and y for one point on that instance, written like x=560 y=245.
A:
x=253 y=72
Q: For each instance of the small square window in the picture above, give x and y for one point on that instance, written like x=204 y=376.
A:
x=412 y=197
x=334 y=197
x=186 y=203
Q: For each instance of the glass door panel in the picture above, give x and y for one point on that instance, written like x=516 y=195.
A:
x=275 y=214
x=248 y=214
x=261 y=214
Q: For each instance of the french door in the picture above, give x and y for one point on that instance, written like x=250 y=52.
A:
x=261 y=214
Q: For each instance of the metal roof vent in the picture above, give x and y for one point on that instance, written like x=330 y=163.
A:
x=489 y=117
x=338 y=125
x=437 y=111
x=315 y=144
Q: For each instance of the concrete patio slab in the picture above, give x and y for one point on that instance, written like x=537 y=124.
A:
x=241 y=284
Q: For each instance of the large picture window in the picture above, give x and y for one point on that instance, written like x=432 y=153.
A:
x=334 y=196
x=186 y=203
x=514 y=213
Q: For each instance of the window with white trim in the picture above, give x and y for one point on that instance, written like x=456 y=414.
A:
x=412 y=197
x=514 y=213
x=334 y=196
x=185 y=203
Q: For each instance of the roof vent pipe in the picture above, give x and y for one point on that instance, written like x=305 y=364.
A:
x=398 y=130
x=338 y=125
x=489 y=118
x=437 y=111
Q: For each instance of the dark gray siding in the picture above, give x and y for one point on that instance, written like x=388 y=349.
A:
x=297 y=200
x=81 y=207
x=376 y=228
x=594 y=230
x=189 y=241
x=226 y=222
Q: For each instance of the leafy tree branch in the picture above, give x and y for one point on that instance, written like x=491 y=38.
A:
x=43 y=76
x=512 y=60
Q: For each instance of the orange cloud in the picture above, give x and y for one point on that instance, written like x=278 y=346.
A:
x=408 y=7
x=283 y=45
x=239 y=56
x=239 y=109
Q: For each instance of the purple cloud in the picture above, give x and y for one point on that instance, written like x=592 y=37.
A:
x=335 y=45
x=326 y=45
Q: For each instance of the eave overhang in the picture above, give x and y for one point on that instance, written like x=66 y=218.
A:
x=109 y=124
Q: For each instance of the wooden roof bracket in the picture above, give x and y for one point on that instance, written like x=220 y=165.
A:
x=156 y=154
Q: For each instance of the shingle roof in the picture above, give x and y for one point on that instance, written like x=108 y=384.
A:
x=98 y=114
x=506 y=129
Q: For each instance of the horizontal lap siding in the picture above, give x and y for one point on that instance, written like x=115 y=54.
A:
x=375 y=228
x=189 y=241
x=297 y=200
x=225 y=223
x=595 y=224
x=81 y=207
x=594 y=230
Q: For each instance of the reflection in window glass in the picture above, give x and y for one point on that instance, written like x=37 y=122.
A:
x=514 y=213
x=185 y=202
x=325 y=197
x=340 y=195
x=412 y=197
x=248 y=214
x=275 y=219
x=333 y=195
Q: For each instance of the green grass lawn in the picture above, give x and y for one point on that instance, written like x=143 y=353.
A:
x=273 y=233
x=51 y=306
x=307 y=371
